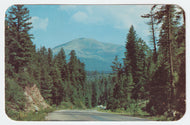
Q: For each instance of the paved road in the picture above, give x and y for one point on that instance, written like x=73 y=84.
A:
x=88 y=115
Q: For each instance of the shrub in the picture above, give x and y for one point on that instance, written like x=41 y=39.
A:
x=14 y=94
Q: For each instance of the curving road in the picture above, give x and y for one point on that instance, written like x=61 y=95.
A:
x=88 y=115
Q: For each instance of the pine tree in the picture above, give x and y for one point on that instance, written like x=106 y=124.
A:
x=50 y=57
x=116 y=67
x=131 y=60
x=60 y=59
x=94 y=95
x=57 y=88
x=170 y=65
x=142 y=66
x=8 y=67
x=20 y=45
x=159 y=98
x=166 y=16
x=180 y=65
x=46 y=85
x=152 y=23
x=72 y=66
x=45 y=78
x=77 y=74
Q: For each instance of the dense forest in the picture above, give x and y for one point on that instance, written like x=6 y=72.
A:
x=150 y=76
x=57 y=80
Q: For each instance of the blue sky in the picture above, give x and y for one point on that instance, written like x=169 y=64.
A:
x=56 y=24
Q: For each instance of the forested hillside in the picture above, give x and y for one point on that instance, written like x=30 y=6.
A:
x=57 y=80
x=150 y=79
x=155 y=77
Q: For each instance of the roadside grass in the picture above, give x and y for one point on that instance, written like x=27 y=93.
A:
x=30 y=116
x=41 y=115
x=136 y=111
x=69 y=105
x=140 y=114
x=36 y=116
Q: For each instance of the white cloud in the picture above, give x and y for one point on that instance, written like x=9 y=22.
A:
x=80 y=16
x=126 y=15
x=119 y=16
x=86 y=17
x=39 y=23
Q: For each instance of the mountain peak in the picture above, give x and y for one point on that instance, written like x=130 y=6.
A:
x=96 y=55
x=86 y=41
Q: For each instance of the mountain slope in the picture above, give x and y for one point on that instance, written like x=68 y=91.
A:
x=96 y=55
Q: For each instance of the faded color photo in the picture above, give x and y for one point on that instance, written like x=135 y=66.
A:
x=95 y=62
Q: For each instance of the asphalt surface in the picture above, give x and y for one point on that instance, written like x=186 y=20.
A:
x=88 y=115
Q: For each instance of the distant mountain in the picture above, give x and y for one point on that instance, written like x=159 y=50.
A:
x=96 y=55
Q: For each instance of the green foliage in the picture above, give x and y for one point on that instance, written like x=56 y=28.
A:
x=116 y=67
x=181 y=73
x=135 y=63
x=149 y=80
x=57 y=88
x=14 y=115
x=14 y=95
x=25 y=79
x=60 y=60
x=164 y=84
x=156 y=77
x=18 y=39
x=152 y=23
x=94 y=95
x=30 y=116
x=159 y=96
x=130 y=61
x=57 y=80
x=79 y=104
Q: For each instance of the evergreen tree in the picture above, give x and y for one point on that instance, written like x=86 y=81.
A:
x=116 y=67
x=170 y=65
x=57 y=88
x=60 y=59
x=88 y=94
x=130 y=61
x=8 y=67
x=94 y=95
x=19 y=41
x=159 y=97
x=152 y=23
x=77 y=76
x=180 y=71
x=142 y=66
x=166 y=16
x=42 y=73
x=72 y=66
x=46 y=85
x=50 y=57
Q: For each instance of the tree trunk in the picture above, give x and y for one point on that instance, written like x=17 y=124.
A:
x=153 y=37
x=170 y=40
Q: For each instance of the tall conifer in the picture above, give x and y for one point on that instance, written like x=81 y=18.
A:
x=20 y=44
